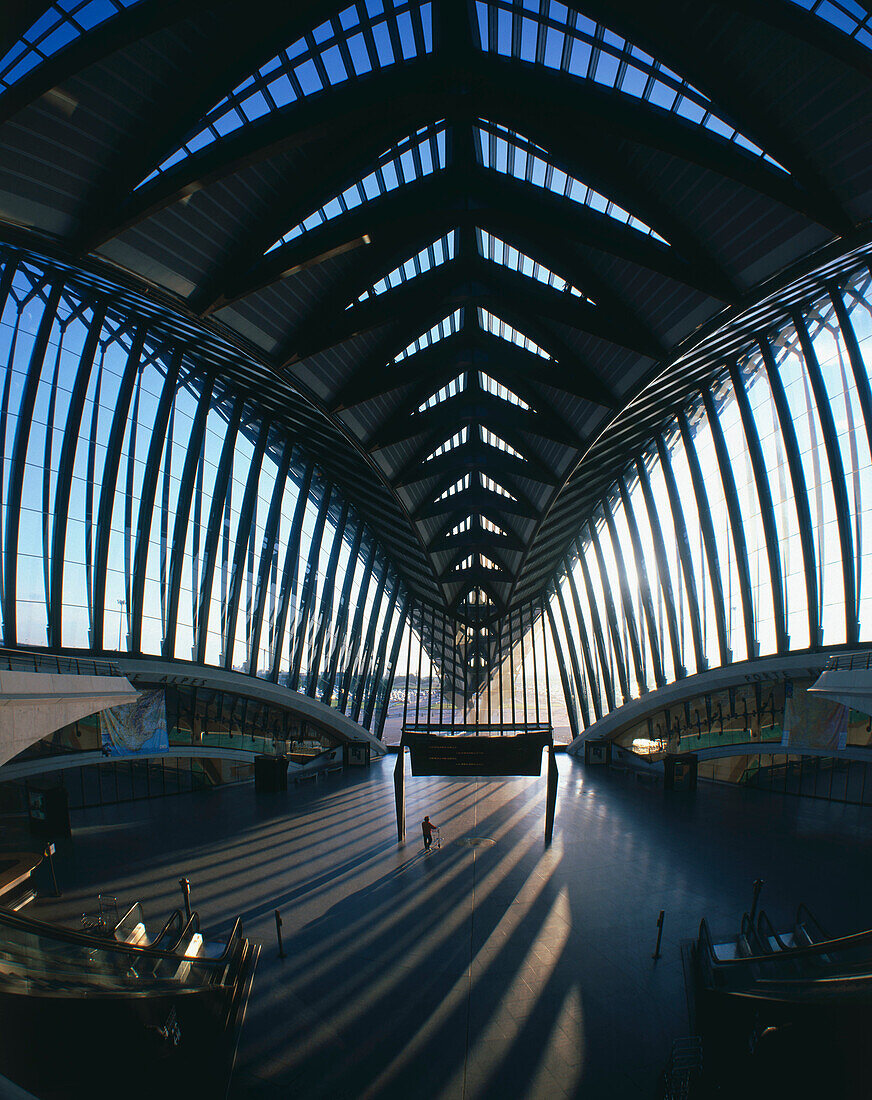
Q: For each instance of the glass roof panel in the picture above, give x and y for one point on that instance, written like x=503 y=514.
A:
x=489 y=525
x=466 y=563
x=494 y=486
x=851 y=18
x=498 y=252
x=461 y=527
x=59 y=25
x=493 y=440
x=492 y=324
x=490 y=385
x=410 y=159
x=458 y=487
x=550 y=33
x=363 y=38
x=454 y=387
x=511 y=154
x=456 y=440
x=489 y=563
x=434 y=255
x=446 y=327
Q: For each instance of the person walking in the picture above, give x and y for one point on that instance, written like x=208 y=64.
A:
x=428 y=829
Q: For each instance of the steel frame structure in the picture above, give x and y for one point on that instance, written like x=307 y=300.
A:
x=133 y=476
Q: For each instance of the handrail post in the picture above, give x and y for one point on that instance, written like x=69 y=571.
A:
x=656 y=954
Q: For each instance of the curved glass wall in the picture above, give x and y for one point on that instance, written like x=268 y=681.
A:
x=146 y=507
x=741 y=531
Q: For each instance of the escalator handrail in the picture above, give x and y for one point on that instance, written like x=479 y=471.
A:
x=766 y=929
x=752 y=937
x=83 y=939
x=805 y=917
x=824 y=947
x=174 y=918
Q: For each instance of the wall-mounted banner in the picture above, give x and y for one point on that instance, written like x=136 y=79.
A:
x=135 y=727
x=813 y=722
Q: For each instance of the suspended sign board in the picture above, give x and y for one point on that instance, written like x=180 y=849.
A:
x=482 y=756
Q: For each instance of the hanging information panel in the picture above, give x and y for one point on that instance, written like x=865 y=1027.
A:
x=520 y=754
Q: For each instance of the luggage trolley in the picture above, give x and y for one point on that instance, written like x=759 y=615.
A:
x=438 y=837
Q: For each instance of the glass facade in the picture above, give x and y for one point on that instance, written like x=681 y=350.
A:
x=740 y=530
x=147 y=507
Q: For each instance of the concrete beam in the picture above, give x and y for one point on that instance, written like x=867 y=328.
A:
x=146 y=672
x=35 y=704
x=745 y=672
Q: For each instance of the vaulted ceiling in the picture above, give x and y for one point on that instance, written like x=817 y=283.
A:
x=463 y=234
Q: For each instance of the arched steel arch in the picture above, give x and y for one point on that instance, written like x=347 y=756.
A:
x=149 y=506
x=750 y=504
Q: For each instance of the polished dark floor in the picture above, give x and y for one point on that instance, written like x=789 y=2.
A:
x=496 y=969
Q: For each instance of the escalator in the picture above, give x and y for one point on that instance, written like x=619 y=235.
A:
x=803 y=965
x=784 y=1009
x=121 y=1011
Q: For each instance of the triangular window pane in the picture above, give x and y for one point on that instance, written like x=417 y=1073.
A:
x=489 y=563
x=490 y=385
x=461 y=527
x=489 y=322
x=453 y=388
x=511 y=154
x=489 y=525
x=458 y=487
x=456 y=440
x=466 y=563
x=359 y=40
x=493 y=440
x=446 y=327
x=506 y=255
x=434 y=255
x=411 y=159
x=494 y=486
x=569 y=41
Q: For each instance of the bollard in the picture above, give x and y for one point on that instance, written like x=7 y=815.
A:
x=186 y=894
x=48 y=854
x=279 y=934
x=656 y=954
x=758 y=886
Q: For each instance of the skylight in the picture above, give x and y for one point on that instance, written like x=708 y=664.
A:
x=490 y=385
x=478 y=596
x=498 y=252
x=492 y=324
x=434 y=255
x=489 y=525
x=458 y=487
x=456 y=440
x=362 y=38
x=488 y=563
x=466 y=563
x=494 y=486
x=560 y=37
x=446 y=327
x=450 y=390
x=461 y=527
x=59 y=25
x=509 y=153
x=412 y=159
x=493 y=440
x=848 y=16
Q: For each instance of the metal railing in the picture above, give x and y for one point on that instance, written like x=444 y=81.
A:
x=21 y=660
x=859 y=660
